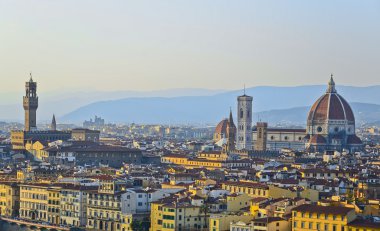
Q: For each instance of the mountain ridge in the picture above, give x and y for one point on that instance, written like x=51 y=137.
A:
x=212 y=108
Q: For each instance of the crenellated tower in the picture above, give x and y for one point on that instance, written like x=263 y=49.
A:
x=30 y=103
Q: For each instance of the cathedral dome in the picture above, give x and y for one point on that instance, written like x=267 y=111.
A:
x=331 y=124
x=331 y=106
x=225 y=129
x=221 y=128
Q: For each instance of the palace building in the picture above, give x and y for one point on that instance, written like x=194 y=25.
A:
x=30 y=134
x=331 y=124
x=19 y=138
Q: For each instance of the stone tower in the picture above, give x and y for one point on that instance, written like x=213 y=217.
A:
x=244 y=128
x=231 y=131
x=53 y=125
x=30 y=102
x=261 y=140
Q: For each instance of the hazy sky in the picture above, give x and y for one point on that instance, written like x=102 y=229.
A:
x=150 y=45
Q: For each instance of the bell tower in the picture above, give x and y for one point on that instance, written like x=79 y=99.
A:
x=244 y=128
x=30 y=103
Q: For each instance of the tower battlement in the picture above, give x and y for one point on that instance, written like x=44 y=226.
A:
x=30 y=103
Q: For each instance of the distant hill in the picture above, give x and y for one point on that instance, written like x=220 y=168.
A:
x=274 y=104
x=62 y=102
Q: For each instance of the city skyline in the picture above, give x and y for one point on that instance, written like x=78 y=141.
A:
x=200 y=115
x=149 y=46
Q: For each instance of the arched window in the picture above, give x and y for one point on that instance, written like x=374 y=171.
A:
x=241 y=113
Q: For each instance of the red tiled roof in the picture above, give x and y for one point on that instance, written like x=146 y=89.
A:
x=331 y=106
x=336 y=210
x=353 y=139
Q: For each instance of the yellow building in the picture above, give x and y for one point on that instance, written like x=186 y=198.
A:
x=126 y=224
x=278 y=192
x=54 y=205
x=221 y=222
x=34 y=202
x=363 y=225
x=204 y=182
x=20 y=175
x=213 y=155
x=317 y=217
x=191 y=163
x=236 y=202
x=252 y=189
x=210 y=163
x=9 y=199
x=37 y=150
x=262 y=224
x=172 y=216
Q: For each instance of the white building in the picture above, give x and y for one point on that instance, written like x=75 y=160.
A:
x=135 y=201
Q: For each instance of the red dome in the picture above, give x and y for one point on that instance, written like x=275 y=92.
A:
x=222 y=127
x=331 y=106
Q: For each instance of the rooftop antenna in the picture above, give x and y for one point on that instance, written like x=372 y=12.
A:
x=244 y=89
